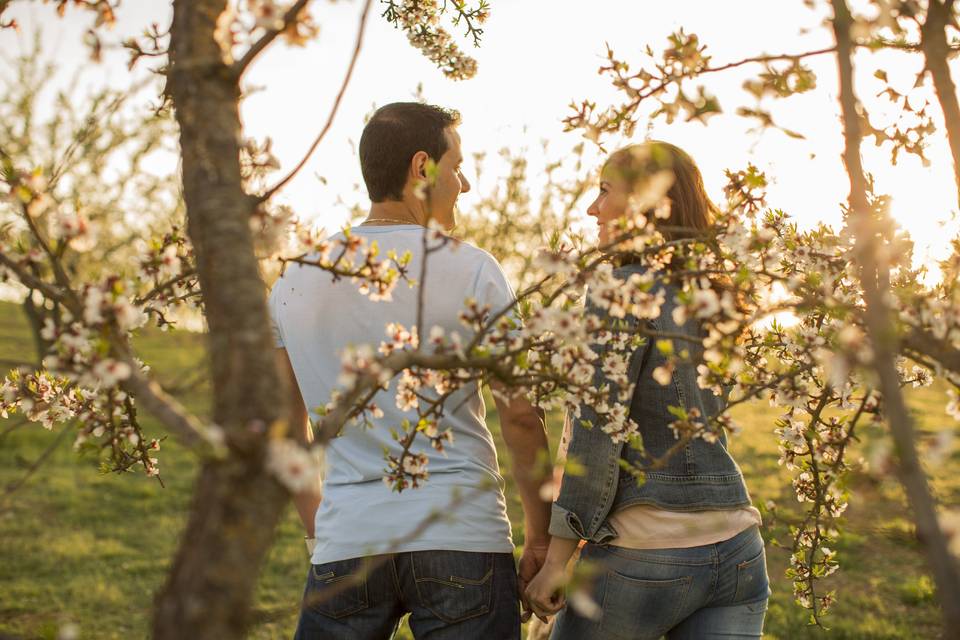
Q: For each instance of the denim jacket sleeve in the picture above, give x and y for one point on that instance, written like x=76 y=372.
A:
x=584 y=502
x=560 y=526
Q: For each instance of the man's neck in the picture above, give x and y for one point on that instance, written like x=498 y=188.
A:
x=397 y=212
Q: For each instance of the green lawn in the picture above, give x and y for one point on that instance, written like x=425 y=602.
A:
x=89 y=549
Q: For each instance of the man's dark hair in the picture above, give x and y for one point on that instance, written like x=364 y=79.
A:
x=393 y=135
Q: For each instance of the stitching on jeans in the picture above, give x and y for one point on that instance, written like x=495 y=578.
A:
x=394 y=574
x=472 y=582
x=716 y=575
x=740 y=573
x=671 y=560
x=685 y=580
x=747 y=540
x=448 y=619
x=362 y=597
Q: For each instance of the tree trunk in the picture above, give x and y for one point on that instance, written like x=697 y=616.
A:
x=883 y=339
x=236 y=505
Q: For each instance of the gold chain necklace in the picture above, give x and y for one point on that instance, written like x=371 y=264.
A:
x=387 y=220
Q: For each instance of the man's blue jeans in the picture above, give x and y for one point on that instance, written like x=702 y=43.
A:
x=449 y=594
x=714 y=591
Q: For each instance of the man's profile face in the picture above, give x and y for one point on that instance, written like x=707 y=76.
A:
x=450 y=182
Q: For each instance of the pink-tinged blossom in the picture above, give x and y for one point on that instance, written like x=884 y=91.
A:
x=297 y=468
x=107 y=372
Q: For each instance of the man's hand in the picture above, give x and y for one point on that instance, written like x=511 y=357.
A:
x=531 y=560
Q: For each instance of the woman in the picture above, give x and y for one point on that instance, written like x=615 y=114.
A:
x=679 y=554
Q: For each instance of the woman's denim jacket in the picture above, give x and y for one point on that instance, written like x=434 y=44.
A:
x=702 y=476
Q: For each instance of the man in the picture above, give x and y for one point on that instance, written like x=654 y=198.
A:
x=372 y=563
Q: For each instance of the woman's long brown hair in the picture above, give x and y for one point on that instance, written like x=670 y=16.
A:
x=691 y=210
x=692 y=213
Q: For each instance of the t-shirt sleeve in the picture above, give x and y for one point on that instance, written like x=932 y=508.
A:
x=272 y=304
x=493 y=290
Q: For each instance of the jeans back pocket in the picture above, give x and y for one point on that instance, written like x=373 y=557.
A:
x=752 y=581
x=454 y=585
x=337 y=589
x=634 y=608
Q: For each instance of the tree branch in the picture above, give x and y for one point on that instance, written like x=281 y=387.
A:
x=935 y=51
x=941 y=351
x=770 y=58
x=288 y=18
x=333 y=110
x=29 y=280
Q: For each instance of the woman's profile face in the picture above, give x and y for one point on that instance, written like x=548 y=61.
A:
x=610 y=204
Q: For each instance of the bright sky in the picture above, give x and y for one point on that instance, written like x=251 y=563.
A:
x=535 y=59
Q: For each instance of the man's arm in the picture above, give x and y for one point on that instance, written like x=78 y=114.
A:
x=525 y=435
x=308 y=501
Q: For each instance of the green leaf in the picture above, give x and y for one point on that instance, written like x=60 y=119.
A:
x=665 y=347
x=679 y=412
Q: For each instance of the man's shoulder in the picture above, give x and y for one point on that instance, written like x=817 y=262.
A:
x=470 y=253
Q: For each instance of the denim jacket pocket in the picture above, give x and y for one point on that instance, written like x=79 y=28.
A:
x=454 y=585
x=337 y=589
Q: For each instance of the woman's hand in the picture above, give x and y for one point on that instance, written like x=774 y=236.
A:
x=545 y=591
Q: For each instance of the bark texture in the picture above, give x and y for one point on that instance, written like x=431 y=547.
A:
x=236 y=505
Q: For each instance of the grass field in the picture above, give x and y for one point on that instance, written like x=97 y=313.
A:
x=90 y=550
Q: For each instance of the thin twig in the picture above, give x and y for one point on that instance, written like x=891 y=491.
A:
x=173 y=415
x=10 y=428
x=153 y=293
x=15 y=363
x=288 y=18
x=333 y=111
x=17 y=484
x=770 y=58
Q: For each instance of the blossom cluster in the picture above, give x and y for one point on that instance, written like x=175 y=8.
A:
x=167 y=278
x=348 y=256
x=106 y=421
x=420 y=19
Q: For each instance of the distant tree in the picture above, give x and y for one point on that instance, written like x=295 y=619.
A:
x=104 y=211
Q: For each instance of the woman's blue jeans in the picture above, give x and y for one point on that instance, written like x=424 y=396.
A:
x=714 y=591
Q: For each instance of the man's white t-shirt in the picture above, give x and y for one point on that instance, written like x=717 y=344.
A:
x=314 y=318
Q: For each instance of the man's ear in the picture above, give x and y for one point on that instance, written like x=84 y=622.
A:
x=418 y=165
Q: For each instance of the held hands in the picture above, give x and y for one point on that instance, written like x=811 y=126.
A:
x=533 y=557
x=544 y=594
